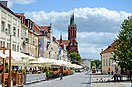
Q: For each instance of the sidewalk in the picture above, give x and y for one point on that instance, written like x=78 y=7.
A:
x=106 y=81
x=75 y=80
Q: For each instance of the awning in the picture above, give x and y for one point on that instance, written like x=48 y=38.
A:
x=2 y=55
x=75 y=66
x=60 y=63
x=17 y=56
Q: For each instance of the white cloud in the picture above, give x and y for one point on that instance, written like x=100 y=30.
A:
x=12 y=2
x=91 y=43
x=100 y=38
x=23 y=1
x=97 y=27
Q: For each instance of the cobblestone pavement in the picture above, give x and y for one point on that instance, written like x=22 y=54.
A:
x=96 y=83
x=75 y=80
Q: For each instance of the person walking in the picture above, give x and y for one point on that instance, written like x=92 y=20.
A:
x=61 y=73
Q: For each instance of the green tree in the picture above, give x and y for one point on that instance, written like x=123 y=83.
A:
x=96 y=63
x=123 y=46
x=75 y=57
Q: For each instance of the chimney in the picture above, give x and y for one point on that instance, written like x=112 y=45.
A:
x=4 y=3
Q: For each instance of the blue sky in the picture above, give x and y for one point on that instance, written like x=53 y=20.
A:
x=98 y=21
x=66 y=5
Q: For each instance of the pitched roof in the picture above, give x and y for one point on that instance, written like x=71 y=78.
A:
x=37 y=29
x=110 y=48
x=66 y=42
x=46 y=28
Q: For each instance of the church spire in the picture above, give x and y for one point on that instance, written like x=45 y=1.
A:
x=72 y=19
x=61 y=38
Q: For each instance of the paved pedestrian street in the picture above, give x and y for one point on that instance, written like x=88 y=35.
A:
x=97 y=83
x=75 y=80
x=80 y=80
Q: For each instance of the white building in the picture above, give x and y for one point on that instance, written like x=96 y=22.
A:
x=86 y=63
x=10 y=26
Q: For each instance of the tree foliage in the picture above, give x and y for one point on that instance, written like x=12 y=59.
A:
x=96 y=63
x=123 y=47
x=75 y=57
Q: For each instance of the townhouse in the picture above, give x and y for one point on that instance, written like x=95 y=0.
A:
x=10 y=31
x=108 y=65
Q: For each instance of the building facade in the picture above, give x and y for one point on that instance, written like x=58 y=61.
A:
x=49 y=45
x=10 y=31
x=108 y=65
x=26 y=36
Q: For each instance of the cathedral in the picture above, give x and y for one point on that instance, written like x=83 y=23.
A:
x=71 y=44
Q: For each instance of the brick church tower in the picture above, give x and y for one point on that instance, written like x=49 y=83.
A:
x=72 y=45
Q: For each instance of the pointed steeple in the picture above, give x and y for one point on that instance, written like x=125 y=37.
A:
x=61 y=38
x=72 y=19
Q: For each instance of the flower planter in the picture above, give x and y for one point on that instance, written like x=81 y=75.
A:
x=93 y=71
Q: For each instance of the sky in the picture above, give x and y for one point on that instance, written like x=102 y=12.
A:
x=98 y=21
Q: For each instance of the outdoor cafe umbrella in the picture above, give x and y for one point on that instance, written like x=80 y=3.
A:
x=2 y=55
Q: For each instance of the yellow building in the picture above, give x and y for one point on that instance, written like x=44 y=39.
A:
x=108 y=65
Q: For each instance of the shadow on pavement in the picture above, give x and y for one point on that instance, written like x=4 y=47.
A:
x=110 y=81
x=85 y=83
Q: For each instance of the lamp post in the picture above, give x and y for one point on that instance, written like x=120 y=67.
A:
x=101 y=60
x=10 y=66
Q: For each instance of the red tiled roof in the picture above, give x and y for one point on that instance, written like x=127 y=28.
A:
x=46 y=28
x=109 y=48
x=37 y=29
x=66 y=42
x=19 y=14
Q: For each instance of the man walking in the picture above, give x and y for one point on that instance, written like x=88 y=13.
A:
x=61 y=72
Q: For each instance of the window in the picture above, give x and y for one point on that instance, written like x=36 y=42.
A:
x=18 y=33
x=109 y=62
x=2 y=26
x=14 y=47
x=9 y=29
x=17 y=48
x=14 y=31
x=106 y=62
x=3 y=44
x=103 y=62
x=7 y=45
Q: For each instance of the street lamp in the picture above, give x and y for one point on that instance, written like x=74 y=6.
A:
x=10 y=67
